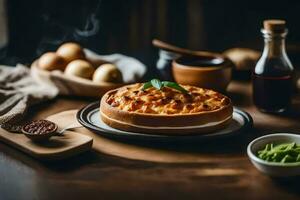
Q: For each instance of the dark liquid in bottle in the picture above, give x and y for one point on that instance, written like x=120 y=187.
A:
x=272 y=94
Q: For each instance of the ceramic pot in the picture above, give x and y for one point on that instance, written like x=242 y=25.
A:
x=206 y=70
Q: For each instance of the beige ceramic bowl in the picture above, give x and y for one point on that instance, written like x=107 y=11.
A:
x=206 y=70
x=273 y=168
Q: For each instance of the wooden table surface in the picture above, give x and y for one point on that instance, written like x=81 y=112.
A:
x=98 y=176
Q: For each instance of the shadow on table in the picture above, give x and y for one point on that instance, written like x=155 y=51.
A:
x=293 y=111
x=290 y=184
x=87 y=159
x=239 y=99
x=19 y=158
x=232 y=144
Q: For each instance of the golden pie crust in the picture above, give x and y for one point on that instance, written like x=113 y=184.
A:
x=165 y=111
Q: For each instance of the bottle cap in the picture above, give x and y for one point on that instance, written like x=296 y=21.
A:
x=274 y=25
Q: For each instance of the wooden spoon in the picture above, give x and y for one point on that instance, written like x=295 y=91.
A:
x=187 y=52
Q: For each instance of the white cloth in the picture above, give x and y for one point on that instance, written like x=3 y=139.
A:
x=131 y=68
x=18 y=91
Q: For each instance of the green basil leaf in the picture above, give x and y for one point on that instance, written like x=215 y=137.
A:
x=159 y=84
x=175 y=86
x=156 y=83
x=147 y=85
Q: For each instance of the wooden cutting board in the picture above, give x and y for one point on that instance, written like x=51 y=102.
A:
x=58 y=147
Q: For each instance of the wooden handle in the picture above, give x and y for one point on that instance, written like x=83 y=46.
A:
x=182 y=51
x=172 y=48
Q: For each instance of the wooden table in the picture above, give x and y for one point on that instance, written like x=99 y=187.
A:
x=228 y=175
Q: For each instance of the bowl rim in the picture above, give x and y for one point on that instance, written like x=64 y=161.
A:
x=223 y=65
x=256 y=159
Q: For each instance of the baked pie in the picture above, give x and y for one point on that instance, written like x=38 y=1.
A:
x=165 y=110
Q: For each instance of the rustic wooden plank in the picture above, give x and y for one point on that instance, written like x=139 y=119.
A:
x=226 y=174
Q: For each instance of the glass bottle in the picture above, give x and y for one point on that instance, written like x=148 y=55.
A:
x=273 y=73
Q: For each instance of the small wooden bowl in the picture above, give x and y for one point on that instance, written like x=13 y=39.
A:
x=206 y=70
x=41 y=137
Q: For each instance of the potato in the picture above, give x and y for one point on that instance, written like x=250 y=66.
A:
x=51 y=61
x=107 y=73
x=71 y=51
x=80 y=68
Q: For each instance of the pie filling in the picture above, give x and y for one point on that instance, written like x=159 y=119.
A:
x=166 y=101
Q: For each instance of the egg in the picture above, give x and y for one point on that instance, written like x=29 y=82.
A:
x=80 y=68
x=71 y=51
x=51 y=61
x=107 y=73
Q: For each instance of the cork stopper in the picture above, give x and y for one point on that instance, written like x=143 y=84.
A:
x=274 y=25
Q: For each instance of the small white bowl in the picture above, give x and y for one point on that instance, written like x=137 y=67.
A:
x=273 y=168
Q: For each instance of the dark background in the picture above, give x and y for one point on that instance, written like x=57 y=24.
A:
x=109 y=26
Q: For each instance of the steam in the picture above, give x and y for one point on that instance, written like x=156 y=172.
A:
x=58 y=33
x=92 y=24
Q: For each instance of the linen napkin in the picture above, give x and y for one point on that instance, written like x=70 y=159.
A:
x=18 y=91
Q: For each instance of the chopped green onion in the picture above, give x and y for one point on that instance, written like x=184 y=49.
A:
x=284 y=153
